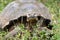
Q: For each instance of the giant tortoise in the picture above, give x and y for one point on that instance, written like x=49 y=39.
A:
x=26 y=12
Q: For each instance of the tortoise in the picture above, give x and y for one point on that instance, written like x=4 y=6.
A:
x=28 y=12
x=24 y=11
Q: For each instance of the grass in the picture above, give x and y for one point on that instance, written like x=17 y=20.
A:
x=54 y=8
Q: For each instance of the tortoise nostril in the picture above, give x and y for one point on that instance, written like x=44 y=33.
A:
x=28 y=14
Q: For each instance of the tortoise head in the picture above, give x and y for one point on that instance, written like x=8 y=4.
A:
x=31 y=16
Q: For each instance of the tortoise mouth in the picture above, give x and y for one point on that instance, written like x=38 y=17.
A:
x=32 y=19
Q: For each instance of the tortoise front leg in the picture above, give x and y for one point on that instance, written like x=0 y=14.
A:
x=12 y=33
x=47 y=23
x=42 y=22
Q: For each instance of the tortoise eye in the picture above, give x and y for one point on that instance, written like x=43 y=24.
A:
x=34 y=13
x=28 y=15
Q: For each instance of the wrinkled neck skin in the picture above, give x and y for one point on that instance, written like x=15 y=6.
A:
x=26 y=1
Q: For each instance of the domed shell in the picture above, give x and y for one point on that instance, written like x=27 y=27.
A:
x=15 y=10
